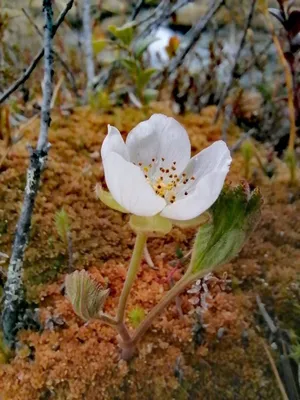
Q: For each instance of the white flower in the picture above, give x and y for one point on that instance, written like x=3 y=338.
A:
x=152 y=173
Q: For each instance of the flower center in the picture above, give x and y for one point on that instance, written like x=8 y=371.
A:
x=164 y=179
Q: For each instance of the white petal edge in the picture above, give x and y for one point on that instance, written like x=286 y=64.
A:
x=159 y=137
x=212 y=158
x=205 y=194
x=128 y=186
x=114 y=142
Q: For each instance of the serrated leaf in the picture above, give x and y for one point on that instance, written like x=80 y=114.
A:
x=85 y=294
x=234 y=216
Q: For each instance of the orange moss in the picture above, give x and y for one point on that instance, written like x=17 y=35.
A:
x=72 y=360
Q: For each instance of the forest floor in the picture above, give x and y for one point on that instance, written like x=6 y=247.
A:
x=225 y=358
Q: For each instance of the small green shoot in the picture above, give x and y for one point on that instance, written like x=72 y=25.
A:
x=247 y=153
x=136 y=316
x=291 y=162
x=62 y=224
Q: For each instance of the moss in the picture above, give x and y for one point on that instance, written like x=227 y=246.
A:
x=223 y=368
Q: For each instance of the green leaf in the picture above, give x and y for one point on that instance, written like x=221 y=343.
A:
x=62 y=224
x=130 y=65
x=136 y=316
x=99 y=45
x=234 y=216
x=150 y=95
x=85 y=294
x=143 y=77
x=142 y=45
x=247 y=151
x=124 y=33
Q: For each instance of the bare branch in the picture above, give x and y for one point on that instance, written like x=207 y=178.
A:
x=69 y=74
x=236 y=59
x=87 y=40
x=194 y=34
x=23 y=78
x=14 y=293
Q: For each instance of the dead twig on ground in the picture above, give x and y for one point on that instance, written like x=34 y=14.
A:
x=275 y=371
x=25 y=76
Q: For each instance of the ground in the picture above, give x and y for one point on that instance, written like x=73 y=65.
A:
x=178 y=358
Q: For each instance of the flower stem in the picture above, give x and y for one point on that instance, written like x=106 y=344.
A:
x=169 y=297
x=131 y=274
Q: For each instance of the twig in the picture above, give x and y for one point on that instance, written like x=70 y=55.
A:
x=55 y=91
x=13 y=291
x=289 y=82
x=235 y=62
x=161 y=13
x=70 y=250
x=24 y=77
x=137 y=8
x=227 y=118
x=275 y=372
x=266 y=316
x=70 y=75
x=194 y=34
x=87 y=40
x=148 y=258
x=241 y=140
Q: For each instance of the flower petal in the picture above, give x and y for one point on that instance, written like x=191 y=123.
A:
x=161 y=138
x=114 y=142
x=128 y=186
x=213 y=158
x=204 y=195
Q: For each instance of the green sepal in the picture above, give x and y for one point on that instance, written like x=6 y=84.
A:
x=108 y=200
x=150 y=225
x=191 y=223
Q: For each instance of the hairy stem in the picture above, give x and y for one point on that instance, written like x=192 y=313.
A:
x=169 y=297
x=131 y=274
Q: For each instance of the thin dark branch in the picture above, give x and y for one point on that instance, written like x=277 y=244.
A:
x=241 y=140
x=161 y=13
x=13 y=293
x=23 y=78
x=194 y=34
x=137 y=8
x=236 y=59
x=273 y=328
x=70 y=75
